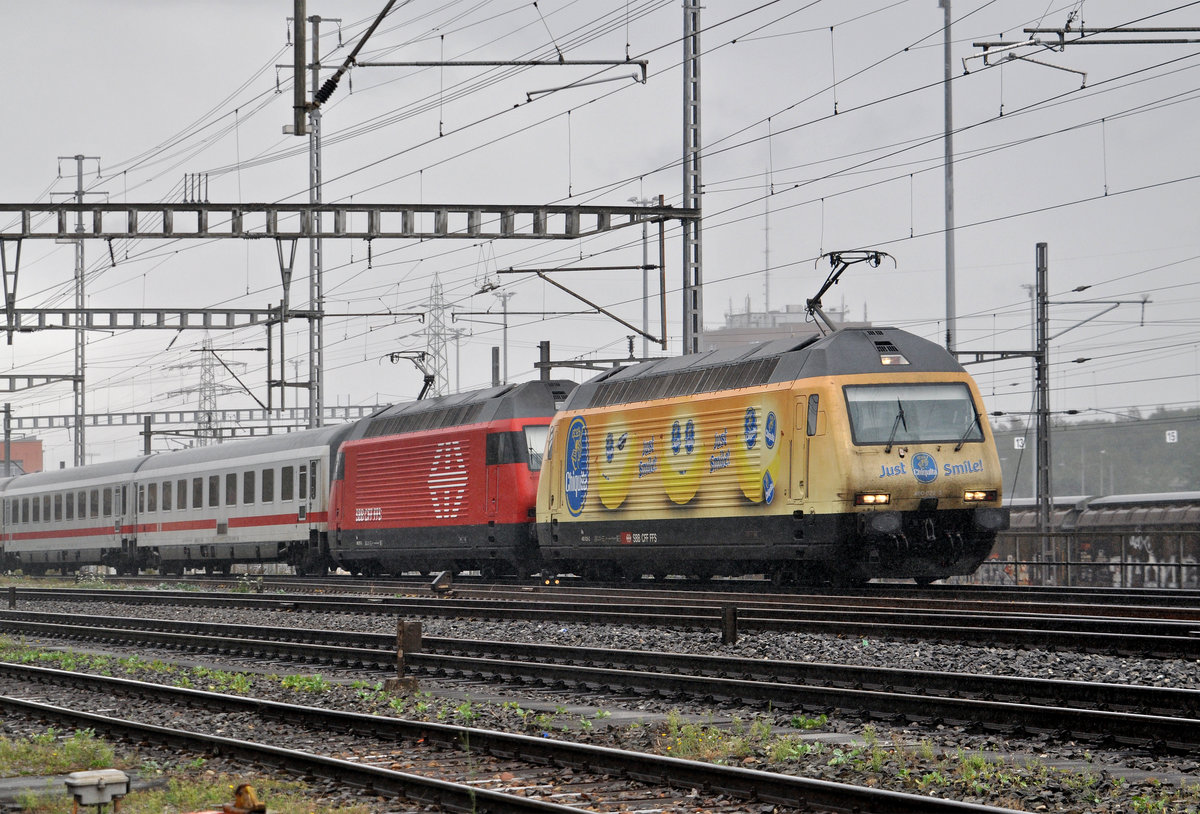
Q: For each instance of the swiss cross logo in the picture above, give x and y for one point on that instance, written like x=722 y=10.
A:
x=448 y=480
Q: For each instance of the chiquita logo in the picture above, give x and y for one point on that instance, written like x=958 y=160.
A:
x=924 y=467
x=575 y=473
x=751 y=428
x=448 y=480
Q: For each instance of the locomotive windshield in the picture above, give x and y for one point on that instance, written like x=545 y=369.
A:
x=535 y=439
x=912 y=414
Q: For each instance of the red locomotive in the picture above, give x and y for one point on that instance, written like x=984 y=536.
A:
x=447 y=483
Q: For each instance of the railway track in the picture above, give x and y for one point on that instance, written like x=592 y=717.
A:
x=1031 y=598
x=1121 y=632
x=454 y=768
x=1154 y=717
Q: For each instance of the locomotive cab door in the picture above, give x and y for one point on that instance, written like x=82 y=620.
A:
x=548 y=485
x=314 y=508
x=129 y=513
x=804 y=423
x=492 y=496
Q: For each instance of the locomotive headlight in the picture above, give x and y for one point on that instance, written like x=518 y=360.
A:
x=979 y=494
x=872 y=499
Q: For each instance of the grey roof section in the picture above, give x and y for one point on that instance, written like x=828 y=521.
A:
x=53 y=477
x=331 y=436
x=521 y=400
x=505 y=401
x=848 y=351
x=853 y=351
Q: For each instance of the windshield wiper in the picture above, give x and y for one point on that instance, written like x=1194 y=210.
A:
x=970 y=427
x=896 y=425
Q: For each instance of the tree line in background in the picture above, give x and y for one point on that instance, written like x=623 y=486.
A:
x=1131 y=454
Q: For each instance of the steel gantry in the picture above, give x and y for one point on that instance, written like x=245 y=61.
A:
x=295 y=221
x=284 y=223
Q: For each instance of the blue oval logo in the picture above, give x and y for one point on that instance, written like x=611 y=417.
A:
x=924 y=467
x=676 y=438
x=768 y=487
x=751 y=428
x=575 y=472
x=769 y=434
x=689 y=437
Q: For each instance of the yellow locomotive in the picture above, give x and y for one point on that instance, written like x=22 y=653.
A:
x=861 y=454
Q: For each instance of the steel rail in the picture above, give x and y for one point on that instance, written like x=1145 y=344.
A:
x=1172 y=605
x=624 y=607
x=379 y=649
x=1083 y=599
x=1164 y=639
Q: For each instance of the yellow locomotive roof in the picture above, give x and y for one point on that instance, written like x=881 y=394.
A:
x=848 y=351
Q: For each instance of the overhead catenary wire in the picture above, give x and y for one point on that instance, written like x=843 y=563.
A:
x=571 y=190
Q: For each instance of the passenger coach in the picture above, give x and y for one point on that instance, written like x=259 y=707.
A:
x=254 y=501
x=861 y=454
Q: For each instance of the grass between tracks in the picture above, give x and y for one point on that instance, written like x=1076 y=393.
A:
x=185 y=786
x=771 y=742
x=918 y=767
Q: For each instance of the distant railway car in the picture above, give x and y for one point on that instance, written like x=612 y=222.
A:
x=1143 y=540
x=861 y=454
x=446 y=483
x=254 y=501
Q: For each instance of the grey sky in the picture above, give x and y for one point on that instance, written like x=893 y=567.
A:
x=1106 y=174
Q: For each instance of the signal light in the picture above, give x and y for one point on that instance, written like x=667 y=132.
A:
x=872 y=499
x=979 y=494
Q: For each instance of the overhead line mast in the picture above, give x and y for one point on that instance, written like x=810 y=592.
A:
x=693 y=185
